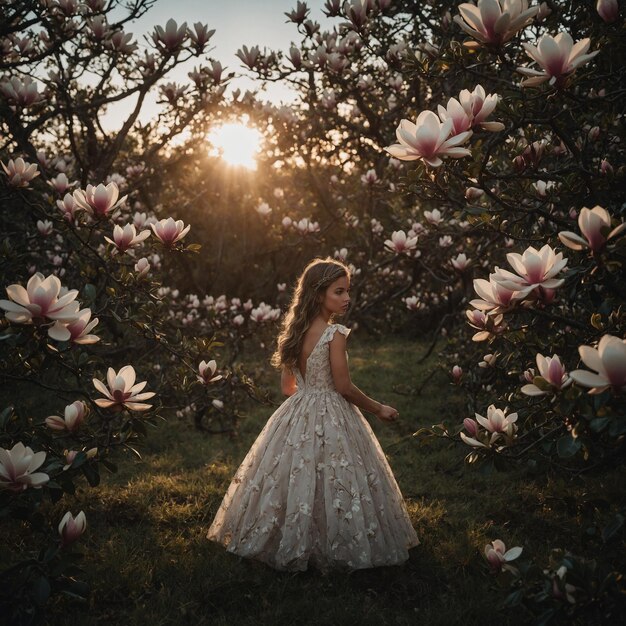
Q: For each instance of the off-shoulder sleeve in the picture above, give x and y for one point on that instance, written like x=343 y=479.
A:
x=344 y=330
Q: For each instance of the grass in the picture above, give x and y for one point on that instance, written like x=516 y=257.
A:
x=148 y=561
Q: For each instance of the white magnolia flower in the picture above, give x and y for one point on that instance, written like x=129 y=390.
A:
x=400 y=243
x=99 y=201
x=595 y=225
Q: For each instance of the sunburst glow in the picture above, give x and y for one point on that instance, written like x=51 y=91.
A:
x=236 y=143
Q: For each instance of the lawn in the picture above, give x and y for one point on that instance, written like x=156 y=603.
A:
x=148 y=562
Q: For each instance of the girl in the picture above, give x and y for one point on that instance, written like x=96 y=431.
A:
x=315 y=487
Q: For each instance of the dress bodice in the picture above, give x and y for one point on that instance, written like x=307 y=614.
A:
x=318 y=377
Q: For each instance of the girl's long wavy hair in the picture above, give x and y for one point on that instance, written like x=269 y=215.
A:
x=304 y=307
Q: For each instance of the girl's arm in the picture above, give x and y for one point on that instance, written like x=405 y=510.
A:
x=288 y=382
x=345 y=386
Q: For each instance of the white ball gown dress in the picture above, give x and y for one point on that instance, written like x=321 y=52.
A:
x=315 y=488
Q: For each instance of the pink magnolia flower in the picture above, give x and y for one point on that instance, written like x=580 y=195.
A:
x=17 y=468
x=470 y=111
x=608 y=10
x=535 y=268
x=249 y=57
x=99 y=201
x=171 y=37
x=71 y=528
x=457 y=372
x=169 y=231
x=74 y=416
x=473 y=193
x=471 y=426
x=494 y=21
x=60 y=183
x=23 y=93
x=263 y=313
x=460 y=262
x=40 y=301
x=608 y=361
x=557 y=56
x=595 y=225
x=493 y=295
x=370 y=177
x=20 y=172
x=45 y=227
x=70 y=456
x=486 y=324
x=497 y=421
x=122 y=390
x=499 y=557
x=127 y=237
x=552 y=371
x=200 y=36
x=434 y=217
x=142 y=267
x=428 y=139
x=412 y=303
x=68 y=207
x=400 y=243
x=206 y=372
x=79 y=328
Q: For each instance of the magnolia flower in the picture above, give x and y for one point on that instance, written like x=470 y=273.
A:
x=249 y=57
x=497 y=421
x=60 y=183
x=428 y=139
x=40 y=301
x=473 y=193
x=142 y=267
x=17 y=467
x=68 y=207
x=470 y=111
x=489 y=360
x=608 y=10
x=80 y=327
x=557 y=56
x=74 y=417
x=218 y=404
x=71 y=528
x=551 y=371
x=22 y=93
x=488 y=325
x=99 y=201
x=20 y=172
x=494 y=21
x=306 y=226
x=457 y=372
x=207 y=372
x=498 y=556
x=445 y=241
x=493 y=295
x=45 y=227
x=70 y=456
x=122 y=390
x=172 y=36
x=264 y=312
x=264 y=209
x=535 y=268
x=370 y=177
x=169 y=231
x=542 y=187
x=400 y=243
x=412 y=303
x=461 y=262
x=609 y=363
x=471 y=426
x=595 y=225
x=127 y=237
x=434 y=217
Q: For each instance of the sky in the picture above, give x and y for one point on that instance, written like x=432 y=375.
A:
x=236 y=22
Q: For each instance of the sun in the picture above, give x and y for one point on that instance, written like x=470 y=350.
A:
x=236 y=143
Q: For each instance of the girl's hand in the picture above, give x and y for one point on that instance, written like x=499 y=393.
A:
x=386 y=413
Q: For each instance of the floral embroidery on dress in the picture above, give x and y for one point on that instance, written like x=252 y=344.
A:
x=315 y=487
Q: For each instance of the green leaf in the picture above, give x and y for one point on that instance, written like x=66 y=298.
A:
x=598 y=424
x=567 y=446
x=91 y=474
